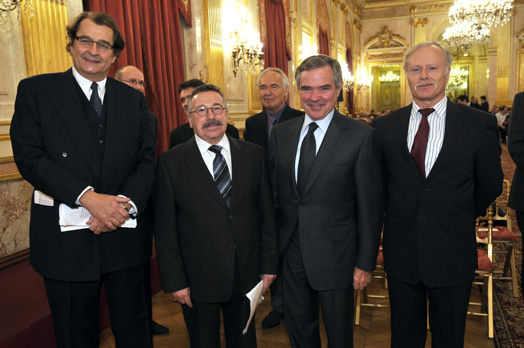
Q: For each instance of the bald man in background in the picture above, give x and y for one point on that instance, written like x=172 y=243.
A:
x=133 y=77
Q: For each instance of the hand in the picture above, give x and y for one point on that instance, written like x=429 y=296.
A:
x=183 y=296
x=96 y=226
x=360 y=279
x=105 y=208
x=267 y=279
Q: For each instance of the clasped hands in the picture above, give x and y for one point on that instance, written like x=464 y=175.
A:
x=107 y=212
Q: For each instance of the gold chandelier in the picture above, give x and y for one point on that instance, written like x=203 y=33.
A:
x=6 y=6
x=247 y=51
x=347 y=79
x=389 y=77
x=462 y=35
x=458 y=78
x=481 y=13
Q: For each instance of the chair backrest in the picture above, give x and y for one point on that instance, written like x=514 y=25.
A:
x=488 y=239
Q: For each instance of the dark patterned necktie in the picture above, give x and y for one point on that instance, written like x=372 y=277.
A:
x=95 y=99
x=308 y=152
x=221 y=174
x=420 y=144
x=270 y=123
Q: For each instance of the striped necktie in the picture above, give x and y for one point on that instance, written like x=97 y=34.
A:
x=221 y=174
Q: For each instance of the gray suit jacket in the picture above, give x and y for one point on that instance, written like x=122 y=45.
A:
x=339 y=218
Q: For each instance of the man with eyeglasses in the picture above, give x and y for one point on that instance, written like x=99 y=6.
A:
x=183 y=133
x=83 y=141
x=214 y=226
x=132 y=76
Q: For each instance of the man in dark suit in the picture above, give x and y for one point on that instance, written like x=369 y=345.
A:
x=183 y=133
x=438 y=180
x=327 y=188
x=474 y=103
x=132 y=76
x=516 y=150
x=214 y=225
x=484 y=105
x=273 y=88
x=83 y=140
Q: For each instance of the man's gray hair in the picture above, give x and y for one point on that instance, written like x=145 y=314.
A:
x=285 y=81
x=320 y=61
x=447 y=53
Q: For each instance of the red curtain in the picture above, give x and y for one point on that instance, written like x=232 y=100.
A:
x=151 y=29
x=276 y=54
x=349 y=61
x=323 y=42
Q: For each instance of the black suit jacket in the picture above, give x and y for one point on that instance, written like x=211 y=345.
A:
x=57 y=154
x=197 y=235
x=183 y=133
x=484 y=106
x=340 y=215
x=516 y=150
x=256 y=126
x=429 y=227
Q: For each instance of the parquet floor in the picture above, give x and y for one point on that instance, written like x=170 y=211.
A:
x=373 y=332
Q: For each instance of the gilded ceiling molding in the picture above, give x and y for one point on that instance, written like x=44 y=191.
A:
x=419 y=21
x=358 y=24
x=431 y=8
x=385 y=45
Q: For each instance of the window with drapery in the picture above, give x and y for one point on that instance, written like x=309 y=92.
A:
x=151 y=29
x=323 y=27
x=275 y=33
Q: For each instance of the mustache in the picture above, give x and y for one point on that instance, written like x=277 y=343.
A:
x=212 y=123
x=425 y=84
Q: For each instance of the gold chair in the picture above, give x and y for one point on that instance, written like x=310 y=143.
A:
x=503 y=237
x=484 y=275
x=362 y=297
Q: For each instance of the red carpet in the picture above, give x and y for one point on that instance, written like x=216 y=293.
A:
x=509 y=311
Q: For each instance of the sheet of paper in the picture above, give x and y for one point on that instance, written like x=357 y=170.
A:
x=76 y=218
x=255 y=297
x=43 y=199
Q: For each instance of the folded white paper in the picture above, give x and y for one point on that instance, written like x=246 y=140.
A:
x=43 y=199
x=76 y=218
x=255 y=297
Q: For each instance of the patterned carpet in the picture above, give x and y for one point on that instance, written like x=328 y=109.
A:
x=509 y=310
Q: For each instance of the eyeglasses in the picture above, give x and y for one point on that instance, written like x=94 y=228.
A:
x=202 y=110
x=88 y=42
x=134 y=82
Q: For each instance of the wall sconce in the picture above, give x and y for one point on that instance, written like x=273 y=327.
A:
x=6 y=6
x=363 y=81
x=247 y=52
x=348 y=82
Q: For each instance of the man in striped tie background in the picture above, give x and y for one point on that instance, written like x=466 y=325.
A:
x=214 y=225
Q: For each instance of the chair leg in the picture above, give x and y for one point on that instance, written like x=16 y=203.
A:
x=490 y=307
x=358 y=307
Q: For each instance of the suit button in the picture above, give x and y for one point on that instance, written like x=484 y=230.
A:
x=101 y=141
x=230 y=248
x=422 y=218
x=64 y=154
x=100 y=125
x=230 y=217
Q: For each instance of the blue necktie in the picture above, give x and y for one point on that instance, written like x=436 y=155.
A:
x=95 y=99
x=221 y=174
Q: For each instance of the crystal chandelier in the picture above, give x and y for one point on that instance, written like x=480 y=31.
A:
x=485 y=13
x=363 y=81
x=347 y=79
x=6 y=6
x=247 y=52
x=462 y=35
x=389 y=77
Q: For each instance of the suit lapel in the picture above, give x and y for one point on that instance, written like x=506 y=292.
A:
x=451 y=133
x=328 y=147
x=290 y=147
x=114 y=103
x=237 y=159
x=193 y=159
x=69 y=109
x=402 y=140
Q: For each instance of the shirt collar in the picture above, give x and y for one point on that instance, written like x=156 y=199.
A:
x=203 y=145
x=278 y=114
x=440 y=108
x=323 y=124
x=85 y=84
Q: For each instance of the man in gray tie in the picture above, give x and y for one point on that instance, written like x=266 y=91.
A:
x=327 y=186
x=214 y=225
